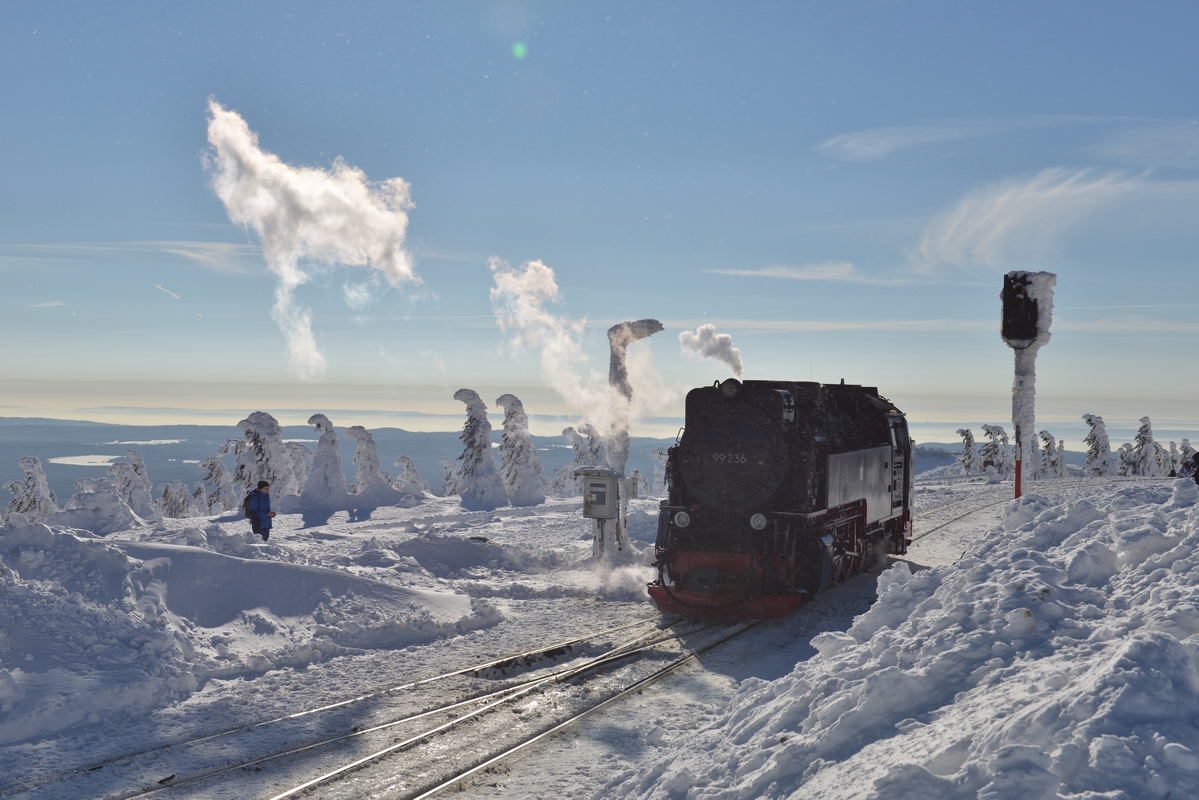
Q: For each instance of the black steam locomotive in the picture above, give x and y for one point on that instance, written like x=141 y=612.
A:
x=776 y=490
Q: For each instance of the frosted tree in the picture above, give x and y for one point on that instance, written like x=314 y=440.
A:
x=995 y=452
x=267 y=457
x=409 y=480
x=1099 y=448
x=1173 y=460
x=301 y=461
x=1125 y=463
x=969 y=457
x=597 y=446
x=199 y=501
x=1048 y=463
x=449 y=481
x=1185 y=450
x=1062 y=471
x=243 y=459
x=520 y=463
x=1144 y=458
x=326 y=483
x=658 y=457
x=131 y=481
x=224 y=495
x=174 y=500
x=366 y=456
x=479 y=484
x=32 y=495
x=96 y=506
x=1034 y=460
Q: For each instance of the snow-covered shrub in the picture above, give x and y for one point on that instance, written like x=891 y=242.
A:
x=1144 y=459
x=326 y=483
x=267 y=457
x=409 y=480
x=132 y=483
x=969 y=457
x=1099 y=449
x=32 y=495
x=520 y=463
x=449 y=481
x=224 y=495
x=479 y=484
x=995 y=453
x=98 y=507
x=366 y=456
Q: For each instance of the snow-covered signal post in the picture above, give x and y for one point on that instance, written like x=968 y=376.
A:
x=1027 y=313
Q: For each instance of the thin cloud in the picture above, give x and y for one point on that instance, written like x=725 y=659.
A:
x=168 y=291
x=225 y=257
x=1021 y=218
x=821 y=326
x=50 y=304
x=842 y=271
x=1164 y=144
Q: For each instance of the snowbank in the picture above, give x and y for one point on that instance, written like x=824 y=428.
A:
x=1057 y=659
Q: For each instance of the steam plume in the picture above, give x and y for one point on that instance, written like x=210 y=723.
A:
x=620 y=336
x=707 y=343
x=305 y=214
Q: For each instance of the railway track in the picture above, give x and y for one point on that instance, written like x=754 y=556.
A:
x=160 y=768
x=443 y=741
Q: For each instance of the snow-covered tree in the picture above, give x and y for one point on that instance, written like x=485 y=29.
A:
x=1125 y=461
x=1185 y=450
x=131 y=481
x=1053 y=461
x=199 y=501
x=241 y=464
x=1062 y=470
x=326 y=482
x=520 y=463
x=995 y=452
x=175 y=500
x=1144 y=458
x=969 y=457
x=224 y=496
x=1173 y=460
x=449 y=482
x=366 y=456
x=479 y=484
x=267 y=457
x=409 y=480
x=1099 y=449
x=96 y=506
x=32 y=495
x=658 y=457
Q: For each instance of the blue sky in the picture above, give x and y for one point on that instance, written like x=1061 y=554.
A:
x=838 y=186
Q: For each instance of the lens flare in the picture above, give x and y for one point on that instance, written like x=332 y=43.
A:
x=520 y=50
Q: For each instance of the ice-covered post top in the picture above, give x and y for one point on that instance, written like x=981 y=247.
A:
x=1027 y=314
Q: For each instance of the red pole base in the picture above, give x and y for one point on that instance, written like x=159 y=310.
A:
x=1017 y=480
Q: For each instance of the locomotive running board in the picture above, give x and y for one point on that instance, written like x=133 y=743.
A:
x=698 y=605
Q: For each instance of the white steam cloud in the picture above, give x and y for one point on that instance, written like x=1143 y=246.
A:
x=305 y=215
x=519 y=299
x=705 y=342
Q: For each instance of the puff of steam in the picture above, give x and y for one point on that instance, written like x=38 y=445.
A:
x=334 y=216
x=705 y=342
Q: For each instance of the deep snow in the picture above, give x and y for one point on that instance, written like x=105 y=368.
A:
x=1039 y=648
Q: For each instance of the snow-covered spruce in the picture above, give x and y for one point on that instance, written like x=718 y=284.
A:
x=968 y=460
x=267 y=457
x=97 y=507
x=409 y=480
x=1145 y=459
x=32 y=495
x=326 y=482
x=520 y=463
x=132 y=483
x=449 y=480
x=996 y=454
x=1099 y=448
x=223 y=495
x=478 y=483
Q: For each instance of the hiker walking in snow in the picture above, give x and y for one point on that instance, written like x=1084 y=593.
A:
x=258 y=509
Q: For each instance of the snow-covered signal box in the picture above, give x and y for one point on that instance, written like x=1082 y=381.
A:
x=601 y=498
x=1020 y=313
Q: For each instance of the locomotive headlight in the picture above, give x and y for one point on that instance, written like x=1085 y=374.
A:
x=757 y=522
x=682 y=519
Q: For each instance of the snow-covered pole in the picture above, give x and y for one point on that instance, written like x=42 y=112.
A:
x=1027 y=314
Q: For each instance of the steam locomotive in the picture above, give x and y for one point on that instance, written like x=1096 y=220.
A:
x=778 y=489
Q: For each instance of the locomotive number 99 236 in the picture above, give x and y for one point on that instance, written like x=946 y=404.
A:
x=730 y=458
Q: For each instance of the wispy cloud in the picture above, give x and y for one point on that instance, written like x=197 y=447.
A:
x=1162 y=144
x=842 y=271
x=1021 y=217
x=50 y=304
x=818 y=326
x=226 y=257
x=168 y=291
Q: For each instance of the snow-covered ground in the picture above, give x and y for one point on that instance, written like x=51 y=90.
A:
x=1032 y=649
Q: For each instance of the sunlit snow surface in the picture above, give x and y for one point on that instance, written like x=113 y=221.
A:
x=1035 y=649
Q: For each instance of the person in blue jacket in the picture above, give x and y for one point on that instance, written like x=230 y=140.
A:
x=258 y=509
